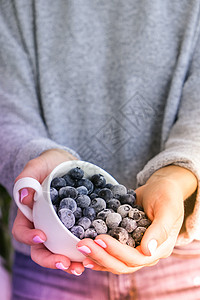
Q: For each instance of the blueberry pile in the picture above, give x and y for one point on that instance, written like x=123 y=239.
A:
x=88 y=207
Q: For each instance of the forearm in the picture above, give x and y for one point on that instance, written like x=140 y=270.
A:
x=184 y=178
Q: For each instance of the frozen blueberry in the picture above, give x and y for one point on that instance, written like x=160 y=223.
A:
x=58 y=182
x=93 y=195
x=123 y=210
x=144 y=223
x=54 y=196
x=127 y=199
x=128 y=224
x=87 y=183
x=131 y=241
x=98 y=180
x=89 y=212
x=82 y=190
x=118 y=190
x=96 y=190
x=90 y=233
x=76 y=173
x=78 y=231
x=78 y=213
x=98 y=204
x=84 y=222
x=68 y=192
x=68 y=203
x=83 y=201
x=138 y=234
x=113 y=204
x=69 y=181
x=113 y=220
x=131 y=192
x=106 y=194
x=67 y=217
x=120 y=234
x=143 y=215
x=139 y=207
x=108 y=185
x=100 y=226
x=103 y=213
x=135 y=214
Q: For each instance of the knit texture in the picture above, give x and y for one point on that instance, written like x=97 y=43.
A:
x=116 y=82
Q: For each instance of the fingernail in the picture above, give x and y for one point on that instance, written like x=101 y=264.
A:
x=60 y=266
x=152 y=246
x=37 y=239
x=75 y=273
x=89 y=266
x=100 y=243
x=23 y=194
x=84 y=249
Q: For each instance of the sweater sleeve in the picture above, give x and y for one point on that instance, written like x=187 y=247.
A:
x=23 y=133
x=182 y=147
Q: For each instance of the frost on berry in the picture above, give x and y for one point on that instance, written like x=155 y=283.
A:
x=90 y=206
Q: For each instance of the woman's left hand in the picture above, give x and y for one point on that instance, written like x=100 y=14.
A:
x=162 y=198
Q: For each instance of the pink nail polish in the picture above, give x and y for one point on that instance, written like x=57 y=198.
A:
x=60 y=266
x=100 y=243
x=84 y=249
x=75 y=273
x=89 y=266
x=37 y=239
x=152 y=246
x=23 y=194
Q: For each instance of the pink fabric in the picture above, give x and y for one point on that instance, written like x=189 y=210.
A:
x=174 y=278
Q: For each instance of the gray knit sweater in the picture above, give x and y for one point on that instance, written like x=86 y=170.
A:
x=116 y=82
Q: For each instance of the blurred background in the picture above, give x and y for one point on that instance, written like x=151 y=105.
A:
x=6 y=251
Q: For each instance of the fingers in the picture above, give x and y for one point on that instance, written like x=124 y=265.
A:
x=166 y=223
x=91 y=264
x=132 y=257
x=163 y=203
x=40 y=167
x=36 y=169
x=26 y=196
x=76 y=268
x=24 y=232
x=110 y=255
x=101 y=257
x=43 y=257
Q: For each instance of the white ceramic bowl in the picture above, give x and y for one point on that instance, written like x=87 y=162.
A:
x=59 y=239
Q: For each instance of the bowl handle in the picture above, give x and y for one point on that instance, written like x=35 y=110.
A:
x=26 y=182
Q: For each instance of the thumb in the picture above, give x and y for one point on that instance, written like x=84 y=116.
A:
x=166 y=223
x=35 y=168
x=26 y=196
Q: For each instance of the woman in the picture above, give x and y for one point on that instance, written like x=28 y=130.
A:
x=115 y=84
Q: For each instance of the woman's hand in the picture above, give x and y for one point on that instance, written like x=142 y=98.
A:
x=162 y=198
x=23 y=230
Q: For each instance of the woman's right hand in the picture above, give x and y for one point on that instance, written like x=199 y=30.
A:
x=24 y=231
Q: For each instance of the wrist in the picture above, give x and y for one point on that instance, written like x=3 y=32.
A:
x=185 y=180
